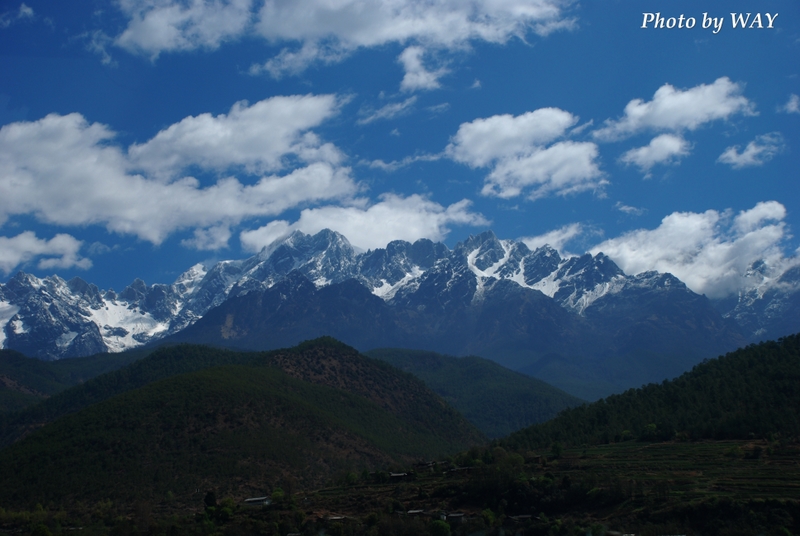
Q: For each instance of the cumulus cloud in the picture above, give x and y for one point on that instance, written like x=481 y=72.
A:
x=483 y=141
x=792 y=106
x=66 y=171
x=710 y=251
x=417 y=76
x=328 y=31
x=373 y=226
x=676 y=110
x=325 y=32
x=556 y=238
x=663 y=149
x=389 y=111
x=61 y=251
x=758 y=152
x=157 y=26
x=515 y=148
x=259 y=137
x=564 y=168
x=358 y=23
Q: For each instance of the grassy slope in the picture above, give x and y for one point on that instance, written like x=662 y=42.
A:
x=495 y=399
x=750 y=392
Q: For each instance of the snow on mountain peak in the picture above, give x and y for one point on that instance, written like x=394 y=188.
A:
x=82 y=318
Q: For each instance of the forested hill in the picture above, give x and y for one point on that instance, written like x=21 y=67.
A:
x=752 y=392
x=497 y=400
x=323 y=361
x=191 y=417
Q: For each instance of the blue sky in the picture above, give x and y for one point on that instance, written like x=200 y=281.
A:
x=140 y=137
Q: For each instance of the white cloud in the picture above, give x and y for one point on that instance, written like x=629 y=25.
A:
x=792 y=106
x=483 y=141
x=663 y=149
x=258 y=138
x=61 y=251
x=564 y=168
x=555 y=239
x=328 y=31
x=295 y=62
x=397 y=164
x=65 y=171
x=758 y=152
x=358 y=23
x=676 y=110
x=417 y=76
x=368 y=227
x=709 y=251
x=157 y=26
x=212 y=238
x=325 y=31
x=627 y=209
x=514 y=147
x=389 y=111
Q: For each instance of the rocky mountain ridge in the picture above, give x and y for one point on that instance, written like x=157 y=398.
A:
x=51 y=318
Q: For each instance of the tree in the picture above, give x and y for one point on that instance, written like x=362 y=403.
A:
x=439 y=528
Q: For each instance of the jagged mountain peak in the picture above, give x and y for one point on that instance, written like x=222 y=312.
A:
x=425 y=275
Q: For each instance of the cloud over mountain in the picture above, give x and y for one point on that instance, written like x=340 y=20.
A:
x=61 y=251
x=709 y=251
x=373 y=225
x=64 y=170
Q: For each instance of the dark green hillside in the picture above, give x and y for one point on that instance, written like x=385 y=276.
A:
x=161 y=363
x=236 y=429
x=25 y=381
x=752 y=392
x=30 y=376
x=495 y=399
x=326 y=361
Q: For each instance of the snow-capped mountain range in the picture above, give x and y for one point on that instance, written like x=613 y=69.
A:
x=52 y=318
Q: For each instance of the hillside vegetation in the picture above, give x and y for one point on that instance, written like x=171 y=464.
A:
x=237 y=429
x=24 y=381
x=752 y=392
x=306 y=412
x=497 y=400
x=155 y=459
x=161 y=363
